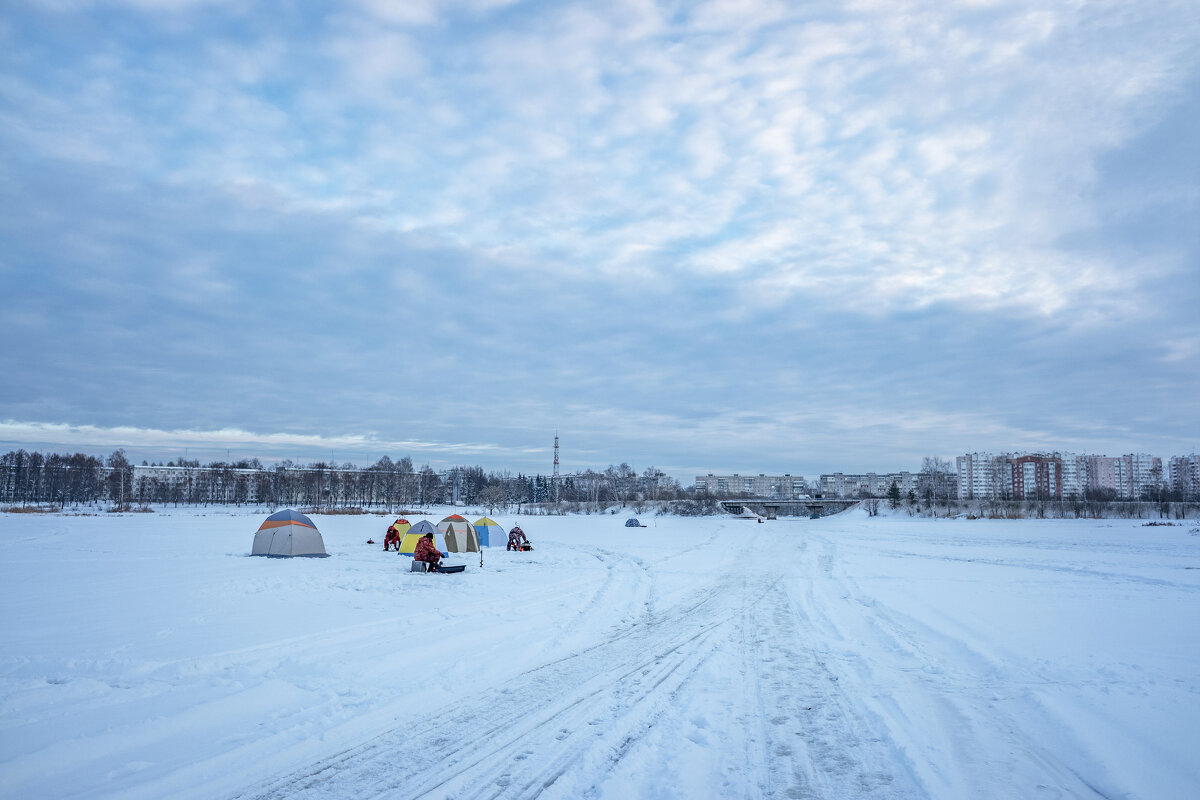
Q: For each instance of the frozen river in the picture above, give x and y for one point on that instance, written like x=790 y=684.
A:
x=147 y=656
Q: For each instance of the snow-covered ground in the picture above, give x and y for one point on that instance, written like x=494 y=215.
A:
x=148 y=656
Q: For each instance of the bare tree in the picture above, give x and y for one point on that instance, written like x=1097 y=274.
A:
x=493 y=496
x=120 y=478
x=935 y=482
x=405 y=482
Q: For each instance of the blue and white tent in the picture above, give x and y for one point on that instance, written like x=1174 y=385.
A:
x=485 y=527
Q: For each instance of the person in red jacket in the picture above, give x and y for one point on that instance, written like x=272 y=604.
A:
x=392 y=538
x=426 y=551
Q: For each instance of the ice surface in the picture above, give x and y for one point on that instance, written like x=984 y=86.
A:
x=148 y=656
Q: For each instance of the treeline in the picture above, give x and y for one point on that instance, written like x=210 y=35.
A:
x=78 y=479
x=63 y=479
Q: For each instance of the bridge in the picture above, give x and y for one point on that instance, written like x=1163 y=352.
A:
x=771 y=508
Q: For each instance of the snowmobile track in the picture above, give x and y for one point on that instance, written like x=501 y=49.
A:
x=597 y=703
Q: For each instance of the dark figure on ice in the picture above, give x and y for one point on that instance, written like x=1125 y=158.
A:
x=426 y=551
x=517 y=540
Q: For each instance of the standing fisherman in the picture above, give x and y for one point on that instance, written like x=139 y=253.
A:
x=517 y=540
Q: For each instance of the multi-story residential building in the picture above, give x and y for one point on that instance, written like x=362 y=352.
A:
x=1129 y=476
x=1102 y=473
x=1074 y=474
x=982 y=475
x=875 y=484
x=1035 y=476
x=987 y=476
x=796 y=485
x=1145 y=474
x=781 y=487
x=1184 y=476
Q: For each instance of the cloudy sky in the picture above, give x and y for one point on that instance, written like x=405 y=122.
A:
x=723 y=236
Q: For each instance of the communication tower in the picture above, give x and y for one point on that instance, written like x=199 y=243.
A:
x=556 y=466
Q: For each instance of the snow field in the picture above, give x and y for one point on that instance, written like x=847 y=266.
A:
x=147 y=656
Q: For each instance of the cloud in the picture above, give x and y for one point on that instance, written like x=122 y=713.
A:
x=954 y=137
x=661 y=230
x=272 y=446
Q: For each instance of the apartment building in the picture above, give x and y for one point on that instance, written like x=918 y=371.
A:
x=781 y=487
x=1057 y=475
x=987 y=476
x=1129 y=476
x=1146 y=474
x=1035 y=476
x=981 y=475
x=1074 y=474
x=875 y=484
x=1183 y=476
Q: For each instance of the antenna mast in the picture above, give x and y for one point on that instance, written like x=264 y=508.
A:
x=556 y=466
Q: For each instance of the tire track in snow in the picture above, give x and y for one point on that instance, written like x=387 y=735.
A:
x=571 y=709
x=621 y=594
x=811 y=738
x=565 y=726
x=950 y=681
x=374 y=653
x=1043 y=566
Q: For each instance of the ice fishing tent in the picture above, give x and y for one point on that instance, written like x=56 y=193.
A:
x=288 y=533
x=633 y=523
x=409 y=543
x=401 y=525
x=460 y=535
x=485 y=527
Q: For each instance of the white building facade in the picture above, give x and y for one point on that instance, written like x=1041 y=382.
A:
x=1183 y=476
x=778 y=487
x=1058 y=475
x=870 y=484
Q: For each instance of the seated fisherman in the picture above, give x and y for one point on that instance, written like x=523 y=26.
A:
x=426 y=551
x=392 y=538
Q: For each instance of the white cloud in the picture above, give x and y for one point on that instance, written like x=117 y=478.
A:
x=408 y=12
x=722 y=164
x=944 y=137
x=66 y=435
x=377 y=63
x=416 y=13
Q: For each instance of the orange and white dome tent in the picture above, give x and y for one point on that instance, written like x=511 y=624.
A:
x=460 y=534
x=288 y=533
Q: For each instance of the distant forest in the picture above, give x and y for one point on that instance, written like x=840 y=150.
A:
x=78 y=479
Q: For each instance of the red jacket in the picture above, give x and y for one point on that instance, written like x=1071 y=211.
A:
x=426 y=550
